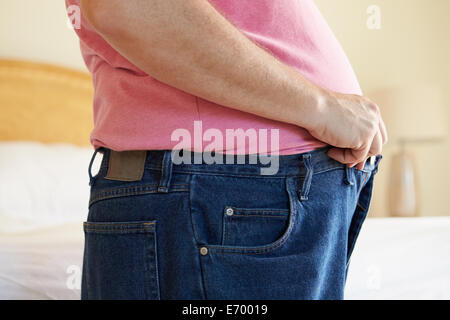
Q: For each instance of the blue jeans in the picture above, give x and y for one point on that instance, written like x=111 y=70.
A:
x=224 y=231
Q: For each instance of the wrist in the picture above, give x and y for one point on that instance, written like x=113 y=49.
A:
x=314 y=108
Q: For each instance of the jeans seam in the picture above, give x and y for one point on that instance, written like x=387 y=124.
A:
x=133 y=191
x=144 y=224
x=194 y=233
x=224 y=229
x=262 y=210
x=119 y=228
x=247 y=175
x=155 y=252
x=364 y=181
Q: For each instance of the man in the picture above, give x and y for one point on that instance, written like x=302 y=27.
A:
x=164 y=70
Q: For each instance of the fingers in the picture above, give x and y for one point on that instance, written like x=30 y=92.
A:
x=377 y=145
x=360 y=166
x=368 y=145
x=375 y=149
x=340 y=155
x=347 y=156
x=358 y=158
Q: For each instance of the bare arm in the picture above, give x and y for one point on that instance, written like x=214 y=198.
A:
x=189 y=45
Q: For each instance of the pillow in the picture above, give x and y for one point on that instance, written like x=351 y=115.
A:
x=43 y=185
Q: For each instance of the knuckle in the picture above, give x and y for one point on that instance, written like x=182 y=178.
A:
x=374 y=107
x=376 y=149
x=373 y=127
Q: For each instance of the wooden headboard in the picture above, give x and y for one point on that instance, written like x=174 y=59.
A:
x=40 y=102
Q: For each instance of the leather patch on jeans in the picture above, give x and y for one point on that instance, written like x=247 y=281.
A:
x=126 y=165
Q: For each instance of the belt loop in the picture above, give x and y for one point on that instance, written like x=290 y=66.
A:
x=91 y=178
x=304 y=193
x=166 y=172
x=348 y=179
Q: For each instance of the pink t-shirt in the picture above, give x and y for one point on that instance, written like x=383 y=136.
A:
x=133 y=111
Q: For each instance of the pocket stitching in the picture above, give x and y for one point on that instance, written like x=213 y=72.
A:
x=145 y=189
x=240 y=213
x=259 y=216
x=294 y=206
x=118 y=227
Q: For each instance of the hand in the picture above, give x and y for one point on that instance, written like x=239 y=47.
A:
x=352 y=125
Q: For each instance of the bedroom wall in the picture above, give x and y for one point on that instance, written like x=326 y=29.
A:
x=37 y=30
x=411 y=47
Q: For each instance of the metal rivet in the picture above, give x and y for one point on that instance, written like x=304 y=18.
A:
x=229 y=211
x=203 y=251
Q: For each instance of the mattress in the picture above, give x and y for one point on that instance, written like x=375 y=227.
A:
x=401 y=258
x=393 y=259
x=42 y=264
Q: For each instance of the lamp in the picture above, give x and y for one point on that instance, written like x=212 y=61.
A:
x=412 y=115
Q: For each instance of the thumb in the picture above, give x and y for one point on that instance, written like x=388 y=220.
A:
x=346 y=156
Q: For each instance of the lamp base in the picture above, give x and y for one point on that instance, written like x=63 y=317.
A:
x=403 y=186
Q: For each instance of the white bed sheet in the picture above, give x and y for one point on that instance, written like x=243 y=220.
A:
x=42 y=264
x=401 y=259
x=34 y=185
x=393 y=259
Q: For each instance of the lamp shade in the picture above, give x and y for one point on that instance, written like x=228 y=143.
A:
x=412 y=114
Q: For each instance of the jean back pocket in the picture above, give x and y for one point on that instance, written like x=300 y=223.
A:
x=120 y=261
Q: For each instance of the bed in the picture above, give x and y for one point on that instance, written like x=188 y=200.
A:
x=401 y=258
x=45 y=121
x=394 y=259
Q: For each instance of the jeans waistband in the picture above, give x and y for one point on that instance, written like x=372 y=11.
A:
x=315 y=161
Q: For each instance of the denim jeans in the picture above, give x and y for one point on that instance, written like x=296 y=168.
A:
x=224 y=231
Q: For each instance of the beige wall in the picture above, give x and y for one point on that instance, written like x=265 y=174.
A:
x=411 y=48
x=36 y=30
